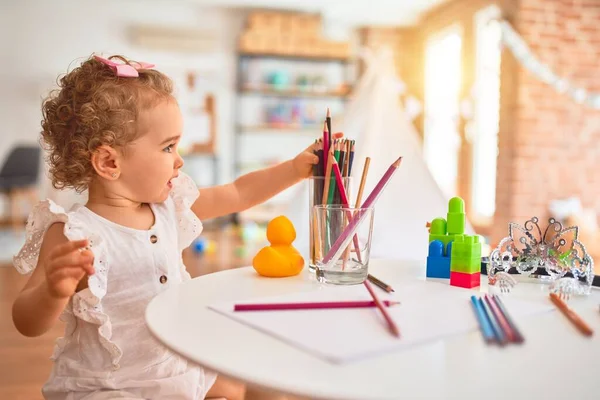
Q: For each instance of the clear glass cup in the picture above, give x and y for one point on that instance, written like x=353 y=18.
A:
x=342 y=240
x=315 y=197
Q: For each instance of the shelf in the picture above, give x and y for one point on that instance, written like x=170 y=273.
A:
x=286 y=129
x=323 y=58
x=295 y=93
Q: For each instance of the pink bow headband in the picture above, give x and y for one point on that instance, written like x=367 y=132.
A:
x=125 y=70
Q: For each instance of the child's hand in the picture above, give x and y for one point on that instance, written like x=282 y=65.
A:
x=304 y=161
x=65 y=266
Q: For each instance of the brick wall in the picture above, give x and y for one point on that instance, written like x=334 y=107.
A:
x=549 y=144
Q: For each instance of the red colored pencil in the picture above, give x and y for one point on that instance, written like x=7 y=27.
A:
x=309 y=306
x=342 y=190
x=389 y=320
x=344 y=239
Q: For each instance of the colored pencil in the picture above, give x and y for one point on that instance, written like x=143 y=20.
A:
x=391 y=324
x=571 y=315
x=346 y=158
x=504 y=325
x=517 y=334
x=484 y=325
x=342 y=156
x=351 y=157
x=310 y=305
x=328 y=123
x=325 y=146
x=338 y=178
x=361 y=188
x=501 y=337
x=332 y=189
x=327 y=176
x=380 y=284
x=344 y=239
x=363 y=180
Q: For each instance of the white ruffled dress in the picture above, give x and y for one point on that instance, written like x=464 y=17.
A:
x=107 y=351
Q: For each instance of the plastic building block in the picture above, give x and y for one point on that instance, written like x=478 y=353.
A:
x=438 y=227
x=465 y=265
x=466 y=246
x=437 y=231
x=438 y=265
x=465 y=280
x=456 y=216
x=466 y=254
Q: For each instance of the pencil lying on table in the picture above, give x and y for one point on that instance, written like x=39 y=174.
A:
x=310 y=305
x=380 y=305
x=380 y=284
x=571 y=315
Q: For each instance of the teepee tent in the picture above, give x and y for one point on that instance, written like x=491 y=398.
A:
x=376 y=119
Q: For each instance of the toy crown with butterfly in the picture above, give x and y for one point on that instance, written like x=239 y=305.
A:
x=554 y=255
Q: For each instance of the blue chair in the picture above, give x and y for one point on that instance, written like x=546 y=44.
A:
x=19 y=178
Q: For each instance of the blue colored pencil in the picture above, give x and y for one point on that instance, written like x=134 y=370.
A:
x=486 y=329
x=498 y=332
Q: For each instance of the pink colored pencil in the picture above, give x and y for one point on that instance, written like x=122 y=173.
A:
x=340 y=185
x=344 y=239
x=310 y=306
x=510 y=334
x=391 y=324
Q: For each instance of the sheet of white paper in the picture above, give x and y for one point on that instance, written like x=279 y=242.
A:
x=429 y=311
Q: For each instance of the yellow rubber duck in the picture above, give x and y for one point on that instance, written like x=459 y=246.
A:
x=280 y=259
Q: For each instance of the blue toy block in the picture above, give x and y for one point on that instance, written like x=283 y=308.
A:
x=438 y=266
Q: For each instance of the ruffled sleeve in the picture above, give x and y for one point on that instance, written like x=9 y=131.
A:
x=43 y=215
x=184 y=194
x=85 y=304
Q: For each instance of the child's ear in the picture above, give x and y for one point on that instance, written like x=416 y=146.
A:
x=105 y=161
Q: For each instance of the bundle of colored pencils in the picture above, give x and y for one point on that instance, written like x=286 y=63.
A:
x=326 y=189
x=342 y=150
x=494 y=321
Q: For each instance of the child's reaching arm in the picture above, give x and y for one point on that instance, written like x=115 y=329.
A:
x=254 y=188
x=60 y=268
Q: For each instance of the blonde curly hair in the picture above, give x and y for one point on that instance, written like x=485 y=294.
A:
x=94 y=107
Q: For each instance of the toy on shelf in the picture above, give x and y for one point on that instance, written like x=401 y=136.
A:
x=202 y=245
x=554 y=255
x=452 y=254
x=280 y=259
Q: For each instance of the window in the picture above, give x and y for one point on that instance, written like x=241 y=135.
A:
x=484 y=128
x=442 y=90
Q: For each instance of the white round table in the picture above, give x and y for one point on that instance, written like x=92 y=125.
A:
x=556 y=361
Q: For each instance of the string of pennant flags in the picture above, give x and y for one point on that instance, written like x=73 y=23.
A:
x=519 y=48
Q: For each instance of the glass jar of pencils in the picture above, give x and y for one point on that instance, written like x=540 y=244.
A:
x=343 y=243
x=317 y=195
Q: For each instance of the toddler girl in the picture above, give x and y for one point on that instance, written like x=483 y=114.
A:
x=113 y=128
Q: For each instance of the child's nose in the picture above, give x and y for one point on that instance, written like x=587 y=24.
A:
x=178 y=161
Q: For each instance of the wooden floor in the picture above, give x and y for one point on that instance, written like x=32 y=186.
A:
x=25 y=363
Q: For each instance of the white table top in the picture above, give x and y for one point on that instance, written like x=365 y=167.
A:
x=556 y=361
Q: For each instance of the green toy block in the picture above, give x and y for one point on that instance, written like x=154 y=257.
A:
x=466 y=247
x=438 y=227
x=456 y=216
x=465 y=265
x=437 y=231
